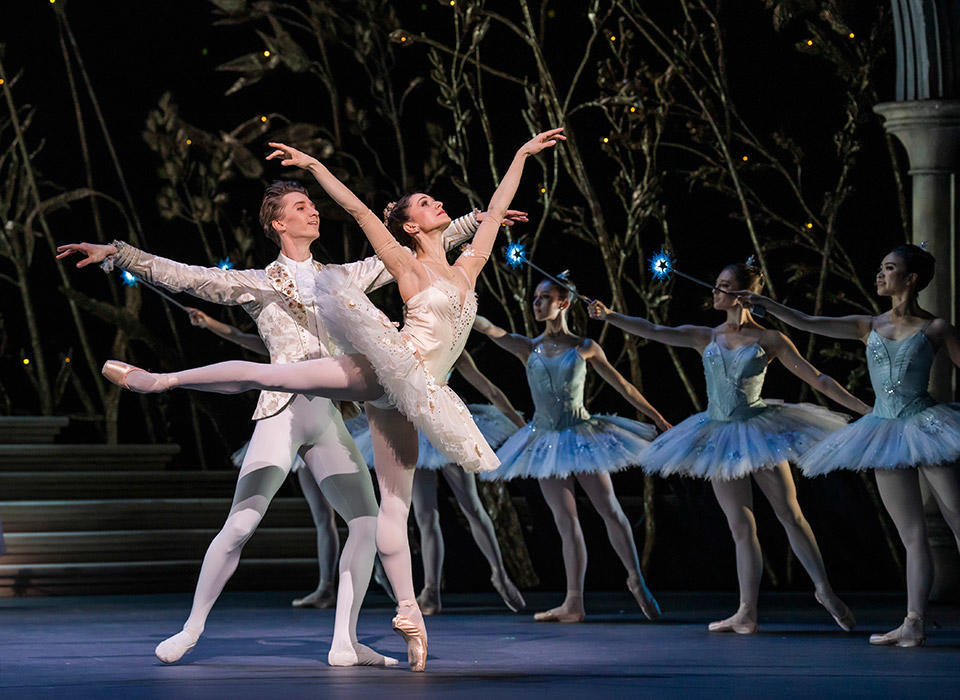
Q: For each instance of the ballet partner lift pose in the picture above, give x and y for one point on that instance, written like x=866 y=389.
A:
x=908 y=433
x=564 y=444
x=741 y=438
x=398 y=373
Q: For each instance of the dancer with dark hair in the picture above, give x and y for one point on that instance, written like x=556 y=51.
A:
x=908 y=433
x=283 y=300
x=398 y=373
x=497 y=421
x=564 y=445
x=742 y=438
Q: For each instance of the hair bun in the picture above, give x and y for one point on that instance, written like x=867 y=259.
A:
x=754 y=266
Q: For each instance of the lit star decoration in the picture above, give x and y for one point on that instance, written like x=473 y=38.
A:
x=661 y=266
x=516 y=255
x=128 y=279
x=131 y=280
x=225 y=264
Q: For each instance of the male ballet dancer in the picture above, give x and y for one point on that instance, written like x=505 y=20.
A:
x=281 y=300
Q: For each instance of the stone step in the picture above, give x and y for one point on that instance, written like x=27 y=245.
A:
x=149 y=545
x=64 y=485
x=140 y=513
x=31 y=429
x=85 y=578
x=91 y=458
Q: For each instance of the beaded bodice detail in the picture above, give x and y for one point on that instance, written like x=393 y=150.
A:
x=900 y=373
x=556 y=384
x=437 y=320
x=734 y=380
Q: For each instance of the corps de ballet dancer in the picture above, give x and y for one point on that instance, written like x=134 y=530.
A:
x=908 y=433
x=564 y=444
x=399 y=373
x=742 y=438
x=283 y=301
x=497 y=421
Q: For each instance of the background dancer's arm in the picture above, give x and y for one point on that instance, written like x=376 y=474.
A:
x=856 y=326
x=697 y=337
x=594 y=354
x=519 y=345
x=494 y=394
x=497 y=209
x=783 y=349
x=249 y=341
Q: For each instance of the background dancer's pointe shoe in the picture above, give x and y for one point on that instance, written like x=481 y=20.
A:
x=321 y=598
x=414 y=635
x=559 y=615
x=648 y=604
x=429 y=601
x=118 y=373
x=512 y=597
x=741 y=622
x=909 y=634
x=842 y=615
x=173 y=648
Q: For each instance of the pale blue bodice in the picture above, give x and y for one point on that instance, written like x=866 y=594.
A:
x=556 y=384
x=734 y=380
x=900 y=373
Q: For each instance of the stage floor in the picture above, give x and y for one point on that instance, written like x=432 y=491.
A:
x=256 y=646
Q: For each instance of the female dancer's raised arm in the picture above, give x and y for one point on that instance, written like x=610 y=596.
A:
x=686 y=336
x=856 y=326
x=514 y=343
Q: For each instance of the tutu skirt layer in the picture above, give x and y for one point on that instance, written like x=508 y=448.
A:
x=931 y=436
x=716 y=449
x=602 y=443
x=493 y=425
x=357 y=325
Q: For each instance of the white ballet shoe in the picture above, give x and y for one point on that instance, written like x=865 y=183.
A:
x=173 y=648
x=909 y=634
x=359 y=655
x=741 y=622
x=842 y=615
x=560 y=615
x=321 y=598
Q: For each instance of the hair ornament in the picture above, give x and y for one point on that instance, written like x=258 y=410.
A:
x=388 y=210
x=923 y=245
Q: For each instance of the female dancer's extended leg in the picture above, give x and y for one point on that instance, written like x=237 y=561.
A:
x=599 y=489
x=328 y=544
x=427 y=514
x=561 y=497
x=736 y=500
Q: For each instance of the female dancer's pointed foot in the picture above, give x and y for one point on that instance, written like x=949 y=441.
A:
x=173 y=648
x=838 y=611
x=408 y=623
x=429 y=601
x=511 y=595
x=744 y=621
x=133 y=378
x=359 y=655
x=568 y=612
x=380 y=577
x=323 y=597
x=648 y=604
x=909 y=634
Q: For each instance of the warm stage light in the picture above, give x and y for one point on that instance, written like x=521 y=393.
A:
x=26 y=360
x=189 y=141
x=809 y=42
x=263 y=118
x=266 y=54
x=543 y=190
x=1 y=81
x=66 y=360
x=633 y=109
x=809 y=224
x=606 y=140
x=852 y=35
x=613 y=38
x=745 y=159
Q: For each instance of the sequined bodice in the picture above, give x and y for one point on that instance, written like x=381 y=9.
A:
x=437 y=324
x=900 y=373
x=734 y=380
x=556 y=384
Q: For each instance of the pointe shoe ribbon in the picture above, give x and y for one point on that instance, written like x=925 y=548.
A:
x=415 y=636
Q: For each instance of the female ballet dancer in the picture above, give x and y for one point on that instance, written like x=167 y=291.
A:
x=564 y=444
x=908 y=433
x=741 y=436
x=497 y=421
x=398 y=373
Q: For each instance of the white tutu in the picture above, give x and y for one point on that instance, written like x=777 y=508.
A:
x=729 y=449
x=601 y=443
x=356 y=324
x=493 y=425
x=931 y=436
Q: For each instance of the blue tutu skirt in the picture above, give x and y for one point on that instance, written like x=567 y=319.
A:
x=493 y=425
x=602 y=443
x=929 y=437
x=730 y=449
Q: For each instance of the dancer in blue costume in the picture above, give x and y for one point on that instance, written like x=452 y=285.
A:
x=496 y=421
x=564 y=444
x=908 y=433
x=741 y=438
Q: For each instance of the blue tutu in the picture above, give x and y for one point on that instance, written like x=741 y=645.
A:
x=493 y=425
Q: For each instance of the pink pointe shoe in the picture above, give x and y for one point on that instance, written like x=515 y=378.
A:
x=116 y=372
x=843 y=617
x=739 y=623
x=414 y=635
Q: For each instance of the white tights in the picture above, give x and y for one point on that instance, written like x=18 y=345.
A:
x=325 y=521
x=736 y=499
x=900 y=491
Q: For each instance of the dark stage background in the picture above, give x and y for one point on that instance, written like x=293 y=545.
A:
x=770 y=97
